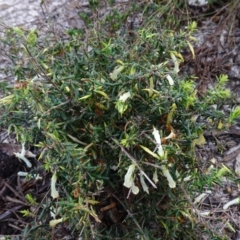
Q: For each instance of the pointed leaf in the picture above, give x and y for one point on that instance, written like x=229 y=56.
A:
x=102 y=93
x=191 y=49
x=150 y=152
x=115 y=72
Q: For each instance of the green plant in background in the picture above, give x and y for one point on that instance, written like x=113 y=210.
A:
x=219 y=91
x=234 y=114
x=107 y=113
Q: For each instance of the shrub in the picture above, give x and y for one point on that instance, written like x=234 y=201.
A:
x=108 y=111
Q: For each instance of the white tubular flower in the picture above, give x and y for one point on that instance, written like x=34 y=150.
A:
x=54 y=222
x=144 y=185
x=230 y=203
x=171 y=135
x=176 y=62
x=30 y=154
x=199 y=198
x=205 y=213
x=54 y=192
x=22 y=174
x=158 y=141
x=170 y=80
x=156 y=136
x=134 y=189
x=116 y=72
x=129 y=180
x=166 y=173
x=155 y=177
x=188 y=178
x=124 y=96
x=22 y=156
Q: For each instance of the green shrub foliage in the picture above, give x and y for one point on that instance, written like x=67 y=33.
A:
x=90 y=104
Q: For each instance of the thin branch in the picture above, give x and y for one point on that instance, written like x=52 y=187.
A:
x=153 y=165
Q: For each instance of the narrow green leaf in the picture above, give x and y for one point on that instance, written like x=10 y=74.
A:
x=150 y=152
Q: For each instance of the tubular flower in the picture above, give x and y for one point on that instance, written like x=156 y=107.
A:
x=124 y=96
x=158 y=141
x=232 y=202
x=129 y=180
x=155 y=177
x=144 y=185
x=170 y=80
x=121 y=106
x=171 y=135
x=54 y=192
x=54 y=222
x=166 y=173
x=22 y=156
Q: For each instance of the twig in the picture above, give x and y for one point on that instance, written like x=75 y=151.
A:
x=153 y=165
x=15 y=192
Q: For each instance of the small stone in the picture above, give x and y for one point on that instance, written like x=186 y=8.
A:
x=235 y=72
